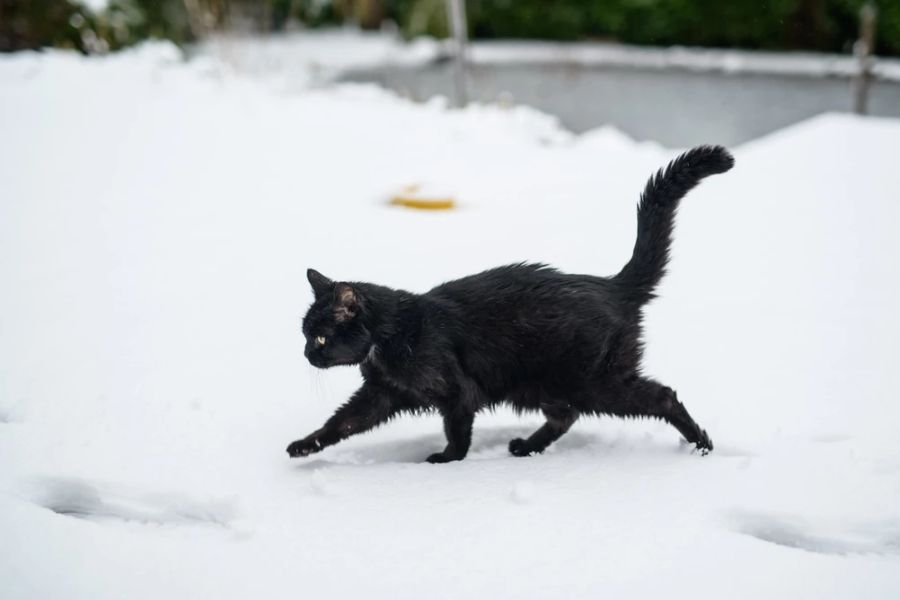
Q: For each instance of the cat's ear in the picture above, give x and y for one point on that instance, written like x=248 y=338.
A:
x=320 y=284
x=346 y=302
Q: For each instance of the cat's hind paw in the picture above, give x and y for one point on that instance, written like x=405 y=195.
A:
x=519 y=447
x=704 y=444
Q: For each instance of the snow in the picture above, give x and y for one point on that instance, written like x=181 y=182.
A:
x=297 y=59
x=594 y=54
x=156 y=221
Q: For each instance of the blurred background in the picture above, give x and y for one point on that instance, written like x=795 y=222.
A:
x=678 y=72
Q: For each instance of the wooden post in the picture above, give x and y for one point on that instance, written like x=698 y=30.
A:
x=456 y=16
x=196 y=20
x=863 y=49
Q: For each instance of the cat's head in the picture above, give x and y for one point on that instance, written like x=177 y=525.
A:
x=333 y=325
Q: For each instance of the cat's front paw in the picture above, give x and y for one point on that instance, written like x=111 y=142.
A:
x=519 y=447
x=304 y=447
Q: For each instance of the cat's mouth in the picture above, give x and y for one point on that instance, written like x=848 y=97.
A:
x=317 y=361
x=326 y=364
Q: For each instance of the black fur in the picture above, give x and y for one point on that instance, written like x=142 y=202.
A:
x=525 y=335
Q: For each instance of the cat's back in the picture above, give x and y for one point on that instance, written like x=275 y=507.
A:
x=519 y=282
x=514 y=278
x=523 y=298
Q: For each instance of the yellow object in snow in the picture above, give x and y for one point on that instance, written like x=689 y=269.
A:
x=410 y=197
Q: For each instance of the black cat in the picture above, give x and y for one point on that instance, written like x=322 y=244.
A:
x=525 y=335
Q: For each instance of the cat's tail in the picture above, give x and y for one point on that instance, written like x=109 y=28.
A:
x=656 y=215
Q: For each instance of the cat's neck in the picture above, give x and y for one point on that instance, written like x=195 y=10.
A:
x=394 y=319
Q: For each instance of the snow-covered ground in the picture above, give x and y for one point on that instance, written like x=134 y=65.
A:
x=299 y=57
x=156 y=222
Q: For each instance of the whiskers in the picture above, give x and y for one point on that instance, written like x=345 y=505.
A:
x=319 y=384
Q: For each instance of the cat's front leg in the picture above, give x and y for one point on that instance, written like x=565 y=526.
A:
x=369 y=406
x=458 y=429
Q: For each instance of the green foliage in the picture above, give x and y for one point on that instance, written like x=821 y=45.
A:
x=420 y=17
x=846 y=21
x=314 y=13
x=37 y=23
x=69 y=24
x=825 y=25
x=165 y=19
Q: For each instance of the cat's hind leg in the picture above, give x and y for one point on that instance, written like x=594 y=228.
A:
x=646 y=398
x=560 y=417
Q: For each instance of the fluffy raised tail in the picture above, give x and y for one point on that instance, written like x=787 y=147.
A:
x=656 y=215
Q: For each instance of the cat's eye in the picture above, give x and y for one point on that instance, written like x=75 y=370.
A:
x=320 y=340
